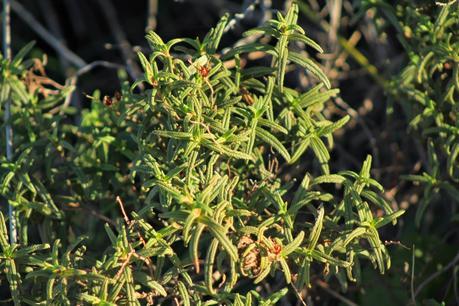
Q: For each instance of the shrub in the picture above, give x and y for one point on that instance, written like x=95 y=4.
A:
x=427 y=88
x=200 y=165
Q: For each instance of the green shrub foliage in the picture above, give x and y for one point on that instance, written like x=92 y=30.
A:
x=427 y=88
x=430 y=83
x=219 y=171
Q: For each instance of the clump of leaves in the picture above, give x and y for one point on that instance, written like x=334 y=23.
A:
x=200 y=159
x=428 y=90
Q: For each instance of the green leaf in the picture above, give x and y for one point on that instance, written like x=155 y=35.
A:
x=334 y=126
x=146 y=67
x=329 y=179
x=322 y=257
x=22 y=53
x=274 y=142
x=388 y=219
x=300 y=150
x=263 y=274
x=321 y=153
x=220 y=233
x=309 y=65
x=317 y=229
x=174 y=135
x=227 y=151
x=286 y=270
x=306 y=40
x=292 y=246
x=183 y=293
x=247 y=48
x=148 y=281
x=216 y=34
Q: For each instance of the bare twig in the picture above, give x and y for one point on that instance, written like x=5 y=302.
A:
x=74 y=15
x=73 y=80
x=334 y=7
x=444 y=3
x=90 y=210
x=95 y=64
x=413 y=295
x=130 y=224
x=125 y=264
x=451 y=264
x=8 y=128
x=287 y=5
x=151 y=18
x=298 y=294
x=125 y=216
x=327 y=288
x=239 y=16
x=392 y=242
x=455 y=284
x=265 y=7
x=52 y=23
x=60 y=48
x=121 y=39
x=353 y=52
x=354 y=114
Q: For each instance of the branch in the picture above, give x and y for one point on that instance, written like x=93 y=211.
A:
x=151 y=18
x=72 y=81
x=53 y=25
x=95 y=64
x=6 y=27
x=60 y=48
x=366 y=130
x=436 y=274
x=266 y=13
x=238 y=17
x=335 y=294
x=126 y=48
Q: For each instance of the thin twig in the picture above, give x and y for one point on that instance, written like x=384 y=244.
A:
x=60 y=48
x=265 y=7
x=125 y=264
x=130 y=224
x=287 y=5
x=73 y=80
x=151 y=18
x=413 y=295
x=455 y=284
x=354 y=114
x=327 y=288
x=8 y=128
x=95 y=64
x=52 y=23
x=353 y=52
x=77 y=206
x=121 y=39
x=74 y=16
x=334 y=8
x=298 y=294
x=444 y=3
x=436 y=274
x=123 y=211
x=240 y=16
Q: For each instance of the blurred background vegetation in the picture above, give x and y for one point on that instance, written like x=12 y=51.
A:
x=403 y=109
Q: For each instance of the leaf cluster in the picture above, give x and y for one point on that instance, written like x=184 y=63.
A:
x=428 y=90
x=199 y=159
